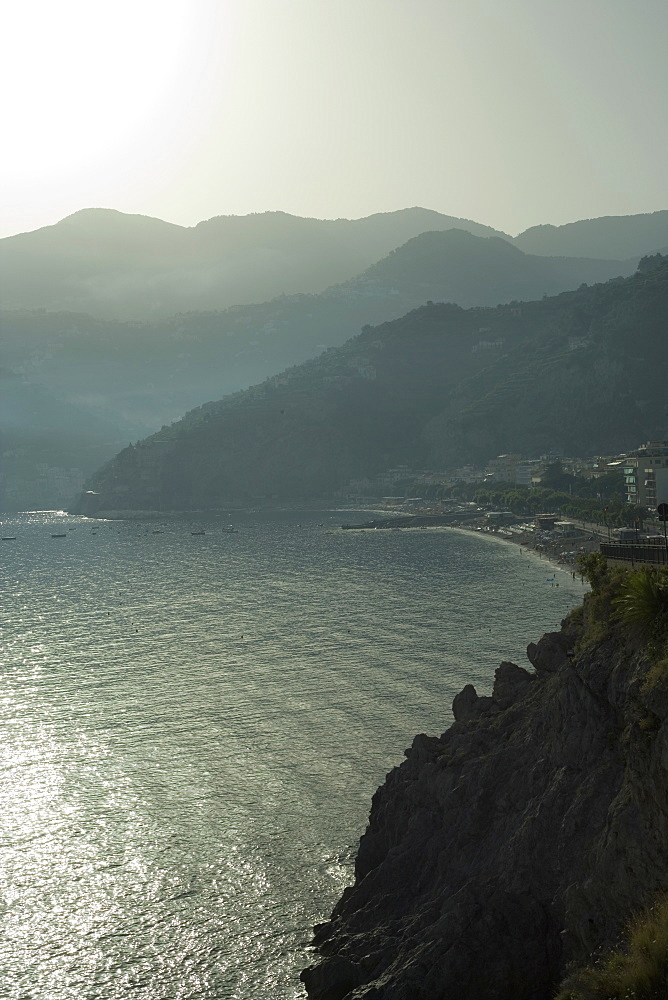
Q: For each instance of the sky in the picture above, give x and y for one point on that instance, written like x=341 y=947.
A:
x=509 y=112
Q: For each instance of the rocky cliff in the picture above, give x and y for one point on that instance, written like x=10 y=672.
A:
x=520 y=841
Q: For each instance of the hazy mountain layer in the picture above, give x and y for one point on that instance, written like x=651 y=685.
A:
x=151 y=373
x=48 y=444
x=139 y=376
x=583 y=372
x=455 y=266
x=112 y=265
x=611 y=236
x=118 y=266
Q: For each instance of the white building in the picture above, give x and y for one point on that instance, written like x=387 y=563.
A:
x=646 y=475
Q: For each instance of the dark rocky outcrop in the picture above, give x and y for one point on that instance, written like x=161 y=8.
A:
x=516 y=843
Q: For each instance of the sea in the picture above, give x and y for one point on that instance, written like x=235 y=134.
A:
x=195 y=713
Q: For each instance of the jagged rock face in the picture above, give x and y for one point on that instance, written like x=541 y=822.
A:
x=517 y=842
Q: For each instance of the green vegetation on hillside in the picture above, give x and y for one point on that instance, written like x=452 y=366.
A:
x=601 y=500
x=143 y=375
x=638 y=971
x=581 y=373
x=643 y=602
x=122 y=266
x=633 y=603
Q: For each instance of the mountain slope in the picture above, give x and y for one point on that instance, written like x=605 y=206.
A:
x=140 y=376
x=455 y=266
x=611 y=236
x=150 y=373
x=120 y=266
x=580 y=372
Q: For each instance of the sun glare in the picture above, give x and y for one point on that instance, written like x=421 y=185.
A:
x=83 y=77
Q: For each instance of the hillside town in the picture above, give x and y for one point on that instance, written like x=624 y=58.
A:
x=625 y=519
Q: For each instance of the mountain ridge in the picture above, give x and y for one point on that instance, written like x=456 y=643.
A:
x=441 y=386
x=138 y=266
x=126 y=266
x=639 y=235
x=140 y=376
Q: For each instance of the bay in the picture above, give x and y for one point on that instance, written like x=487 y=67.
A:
x=193 y=726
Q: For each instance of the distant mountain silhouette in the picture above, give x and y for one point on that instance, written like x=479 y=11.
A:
x=118 y=266
x=455 y=266
x=135 y=377
x=130 y=377
x=583 y=373
x=613 y=236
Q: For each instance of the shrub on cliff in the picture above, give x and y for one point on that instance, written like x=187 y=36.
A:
x=598 y=606
x=639 y=972
x=594 y=568
x=643 y=602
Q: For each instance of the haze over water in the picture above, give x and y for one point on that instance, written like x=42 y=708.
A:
x=193 y=727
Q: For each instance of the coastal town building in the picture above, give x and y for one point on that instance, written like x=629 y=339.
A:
x=514 y=469
x=503 y=468
x=468 y=474
x=566 y=529
x=545 y=522
x=646 y=474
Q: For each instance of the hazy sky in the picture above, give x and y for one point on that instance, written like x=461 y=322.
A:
x=509 y=112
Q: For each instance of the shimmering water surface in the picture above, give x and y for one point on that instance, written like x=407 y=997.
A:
x=193 y=727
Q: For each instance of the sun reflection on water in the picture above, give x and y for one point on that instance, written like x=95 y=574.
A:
x=191 y=735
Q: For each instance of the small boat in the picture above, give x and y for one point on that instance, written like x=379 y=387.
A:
x=198 y=532
x=9 y=538
x=158 y=531
x=60 y=535
x=229 y=530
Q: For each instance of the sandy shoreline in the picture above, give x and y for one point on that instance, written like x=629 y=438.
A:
x=548 y=560
x=566 y=566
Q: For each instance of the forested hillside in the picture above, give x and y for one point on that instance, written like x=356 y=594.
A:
x=119 y=266
x=128 y=378
x=147 y=374
x=581 y=372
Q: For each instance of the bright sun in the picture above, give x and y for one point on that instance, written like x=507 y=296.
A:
x=82 y=79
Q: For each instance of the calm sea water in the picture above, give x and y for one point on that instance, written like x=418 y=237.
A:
x=193 y=727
